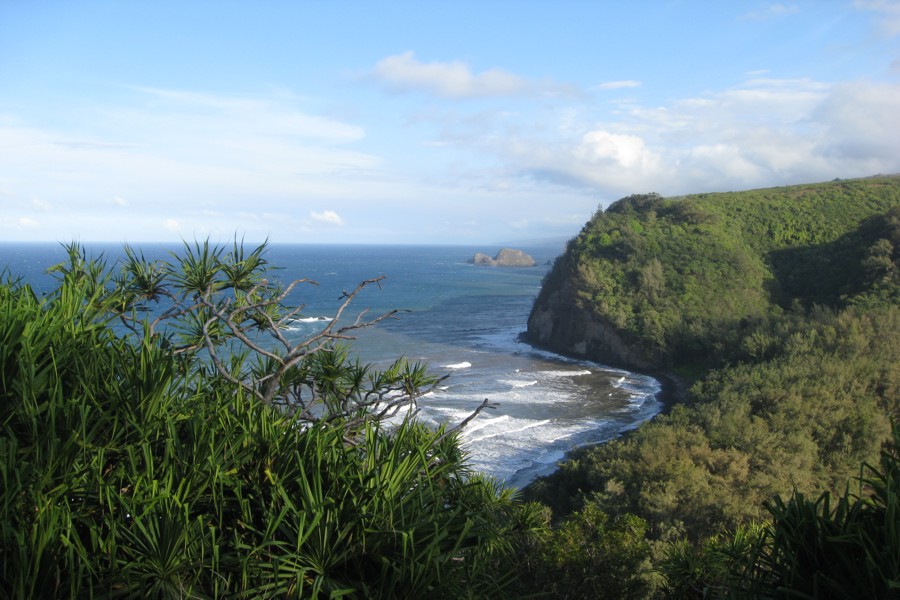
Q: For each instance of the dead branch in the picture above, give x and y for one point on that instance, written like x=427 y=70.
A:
x=485 y=404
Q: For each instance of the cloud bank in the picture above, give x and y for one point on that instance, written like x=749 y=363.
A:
x=453 y=79
x=763 y=132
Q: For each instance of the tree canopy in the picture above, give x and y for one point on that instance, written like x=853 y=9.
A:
x=682 y=278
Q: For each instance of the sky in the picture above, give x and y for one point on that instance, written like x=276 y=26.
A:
x=463 y=122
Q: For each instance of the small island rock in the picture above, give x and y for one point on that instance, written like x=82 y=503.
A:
x=507 y=257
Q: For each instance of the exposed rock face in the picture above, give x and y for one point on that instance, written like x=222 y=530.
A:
x=560 y=323
x=507 y=257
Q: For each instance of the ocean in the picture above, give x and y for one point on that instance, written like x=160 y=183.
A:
x=463 y=320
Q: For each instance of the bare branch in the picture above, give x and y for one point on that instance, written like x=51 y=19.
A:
x=348 y=297
x=217 y=362
x=485 y=404
x=237 y=330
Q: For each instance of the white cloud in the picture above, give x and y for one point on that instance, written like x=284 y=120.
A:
x=40 y=205
x=861 y=121
x=724 y=161
x=328 y=217
x=167 y=148
x=453 y=79
x=216 y=165
x=626 y=151
x=888 y=11
x=618 y=85
x=763 y=132
x=28 y=222
x=772 y=11
x=259 y=115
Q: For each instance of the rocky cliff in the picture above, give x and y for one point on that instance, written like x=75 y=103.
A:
x=507 y=257
x=559 y=322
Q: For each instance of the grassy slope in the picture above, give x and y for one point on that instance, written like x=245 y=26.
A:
x=784 y=305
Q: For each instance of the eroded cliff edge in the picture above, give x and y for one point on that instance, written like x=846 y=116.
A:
x=561 y=323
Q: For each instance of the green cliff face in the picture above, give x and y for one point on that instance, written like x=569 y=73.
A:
x=781 y=310
x=656 y=282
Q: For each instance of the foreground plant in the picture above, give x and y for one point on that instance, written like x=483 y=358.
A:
x=154 y=444
x=827 y=547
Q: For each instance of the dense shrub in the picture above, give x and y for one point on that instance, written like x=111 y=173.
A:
x=828 y=547
x=154 y=461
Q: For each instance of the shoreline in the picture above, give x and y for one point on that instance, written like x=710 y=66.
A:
x=673 y=390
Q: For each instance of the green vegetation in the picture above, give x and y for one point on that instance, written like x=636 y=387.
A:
x=587 y=556
x=160 y=437
x=151 y=445
x=683 y=278
x=811 y=548
x=782 y=308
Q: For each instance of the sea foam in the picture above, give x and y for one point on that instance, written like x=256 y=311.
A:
x=314 y=320
x=569 y=373
x=459 y=365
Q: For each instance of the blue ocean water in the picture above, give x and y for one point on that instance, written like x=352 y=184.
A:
x=461 y=319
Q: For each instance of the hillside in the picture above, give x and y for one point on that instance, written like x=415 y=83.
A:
x=780 y=308
x=656 y=282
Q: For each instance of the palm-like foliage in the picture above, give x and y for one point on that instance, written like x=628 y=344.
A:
x=136 y=465
x=842 y=548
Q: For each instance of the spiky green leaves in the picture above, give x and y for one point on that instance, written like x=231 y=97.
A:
x=132 y=467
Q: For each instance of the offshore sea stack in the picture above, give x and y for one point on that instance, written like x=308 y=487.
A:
x=507 y=257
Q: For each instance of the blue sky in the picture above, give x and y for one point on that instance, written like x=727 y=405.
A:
x=424 y=122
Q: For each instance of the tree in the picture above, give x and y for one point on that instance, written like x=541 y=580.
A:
x=222 y=304
x=652 y=279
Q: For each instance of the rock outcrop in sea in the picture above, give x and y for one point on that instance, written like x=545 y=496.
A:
x=507 y=257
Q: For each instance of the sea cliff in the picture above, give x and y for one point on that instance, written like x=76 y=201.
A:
x=654 y=284
x=678 y=287
x=781 y=307
x=560 y=322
